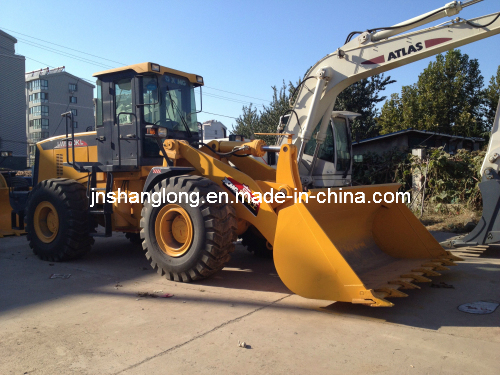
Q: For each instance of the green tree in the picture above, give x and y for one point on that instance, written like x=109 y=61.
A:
x=362 y=97
x=266 y=121
x=491 y=97
x=447 y=98
x=248 y=122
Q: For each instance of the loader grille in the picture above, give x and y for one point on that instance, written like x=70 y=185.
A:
x=59 y=165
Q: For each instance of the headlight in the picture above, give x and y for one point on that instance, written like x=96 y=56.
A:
x=199 y=79
x=155 y=67
x=162 y=132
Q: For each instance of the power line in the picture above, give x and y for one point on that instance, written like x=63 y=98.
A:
x=45 y=41
x=50 y=66
x=65 y=54
x=230 y=99
x=53 y=67
x=96 y=63
x=216 y=114
x=229 y=92
x=89 y=61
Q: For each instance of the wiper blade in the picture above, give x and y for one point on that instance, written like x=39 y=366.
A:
x=174 y=107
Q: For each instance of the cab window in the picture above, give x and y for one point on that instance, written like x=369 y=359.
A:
x=326 y=151
x=98 y=105
x=342 y=144
x=123 y=101
x=337 y=143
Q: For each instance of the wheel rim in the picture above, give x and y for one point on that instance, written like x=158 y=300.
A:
x=173 y=230
x=46 y=222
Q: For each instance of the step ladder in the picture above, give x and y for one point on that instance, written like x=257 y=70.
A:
x=107 y=209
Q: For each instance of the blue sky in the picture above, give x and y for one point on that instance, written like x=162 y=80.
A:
x=240 y=47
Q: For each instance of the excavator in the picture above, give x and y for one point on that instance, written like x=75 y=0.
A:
x=487 y=230
x=146 y=145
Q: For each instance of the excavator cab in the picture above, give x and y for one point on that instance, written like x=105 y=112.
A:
x=136 y=106
x=333 y=166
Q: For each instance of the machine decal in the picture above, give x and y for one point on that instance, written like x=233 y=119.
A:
x=78 y=143
x=243 y=194
x=83 y=140
x=406 y=51
x=376 y=60
x=434 y=42
x=403 y=51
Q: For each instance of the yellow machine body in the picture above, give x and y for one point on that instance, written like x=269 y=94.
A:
x=5 y=211
x=126 y=215
x=353 y=252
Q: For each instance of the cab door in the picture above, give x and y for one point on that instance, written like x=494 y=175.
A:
x=125 y=128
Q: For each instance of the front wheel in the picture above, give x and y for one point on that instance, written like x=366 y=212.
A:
x=187 y=243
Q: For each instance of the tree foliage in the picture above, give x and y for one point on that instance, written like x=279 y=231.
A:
x=491 y=97
x=450 y=179
x=447 y=98
x=266 y=121
x=361 y=97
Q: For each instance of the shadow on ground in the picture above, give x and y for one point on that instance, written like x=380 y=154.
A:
x=25 y=281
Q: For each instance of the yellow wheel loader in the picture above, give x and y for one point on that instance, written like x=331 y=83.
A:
x=145 y=172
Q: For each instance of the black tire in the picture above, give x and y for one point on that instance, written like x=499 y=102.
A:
x=69 y=199
x=256 y=243
x=134 y=238
x=214 y=232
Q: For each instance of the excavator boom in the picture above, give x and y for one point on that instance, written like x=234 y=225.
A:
x=367 y=55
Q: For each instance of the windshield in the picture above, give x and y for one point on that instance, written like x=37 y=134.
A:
x=172 y=106
x=336 y=139
x=342 y=143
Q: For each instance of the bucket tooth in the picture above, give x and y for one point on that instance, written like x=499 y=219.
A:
x=417 y=277
x=436 y=266
x=426 y=271
x=392 y=291
x=450 y=256
x=405 y=283
x=378 y=300
x=445 y=262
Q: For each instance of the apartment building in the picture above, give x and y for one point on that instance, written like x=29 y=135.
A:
x=12 y=105
x=214 y=129
x=49 y=93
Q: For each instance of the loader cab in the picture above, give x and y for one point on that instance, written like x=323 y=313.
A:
x=334 y=163
x=137 y=107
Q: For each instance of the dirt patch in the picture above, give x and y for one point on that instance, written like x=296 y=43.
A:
x=455 y=220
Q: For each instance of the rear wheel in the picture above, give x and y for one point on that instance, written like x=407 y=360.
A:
x=57 y=221
x=187 y=243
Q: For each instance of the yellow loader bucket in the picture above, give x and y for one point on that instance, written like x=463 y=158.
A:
x=355 y=252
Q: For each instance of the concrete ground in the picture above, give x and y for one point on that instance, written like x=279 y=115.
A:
x=95 y=323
